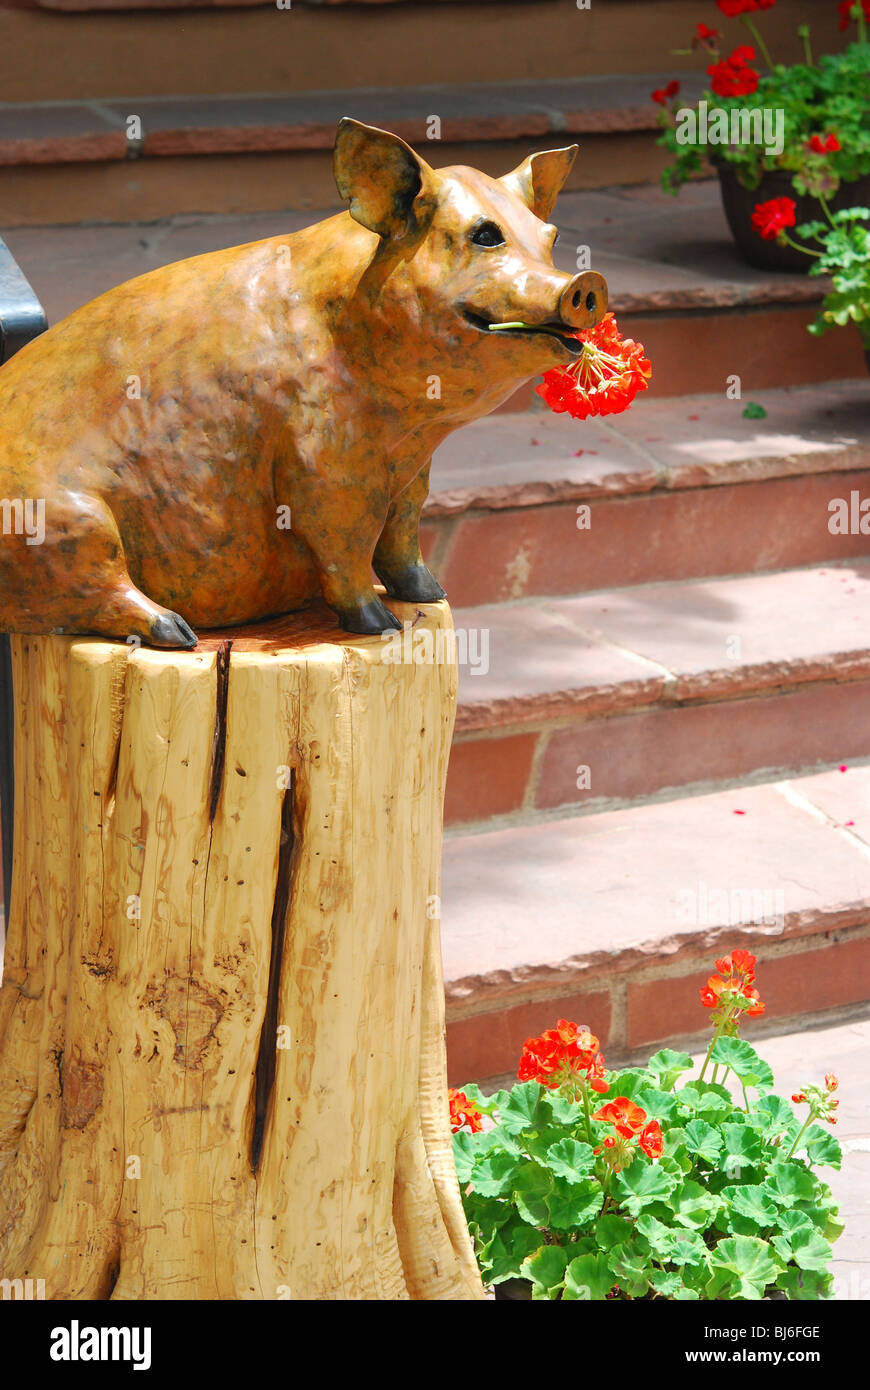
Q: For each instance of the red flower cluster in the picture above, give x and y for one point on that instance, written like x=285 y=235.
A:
x=705 y=37
x=829 y=144
x=567 y=1053
x=733 y=77
x=772 y=217
x=733 y=986
x=663 y=94
x=733 y=8
x=463 y=1112
x=845 y=8
x=630 y=1123
x=605 y=378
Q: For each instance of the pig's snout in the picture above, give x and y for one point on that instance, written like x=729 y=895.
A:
x=583 y=302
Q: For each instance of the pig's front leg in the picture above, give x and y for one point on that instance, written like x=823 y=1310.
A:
x=340 y=527
x=398 y=562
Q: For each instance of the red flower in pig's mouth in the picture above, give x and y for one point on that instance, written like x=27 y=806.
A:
x=604 y=380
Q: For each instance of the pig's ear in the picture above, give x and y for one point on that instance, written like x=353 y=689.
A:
x=381 y=176
x=539 y=179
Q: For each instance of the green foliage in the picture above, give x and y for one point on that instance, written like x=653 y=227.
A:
x=830 y=95
x=726 y=1212
x=845 y=256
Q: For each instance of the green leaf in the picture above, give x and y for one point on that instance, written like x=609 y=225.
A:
x=526 y=1107
x=703 y=1140
x=485 y=1104
x=743 y=1267
x=631 y=1267
x=789 y=1183
x=566 y=1113
x=705 y=1099
x=546 y=1268
x=588 y=1278
x=493 y=1174
x=627 y=1083
x=612 y=1230
x=822 y=1147
x=754 y=411
x=464 y=1156
x=511 y=1245
x=569 y=1159
x=667 y=1065
x=810 y=1250
x=804 y=1284
x=742 y=1147
x=694 y=1206
x=532 y=1187
x=669 y=1284
x=659 y=1105
x=755 y=1205
x=485 y=1215
x=642 y=1184
x=572 y=1205
x=744 y=1061
x=771 y=1116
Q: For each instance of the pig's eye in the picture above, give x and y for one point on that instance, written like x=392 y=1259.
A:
x=487 y=234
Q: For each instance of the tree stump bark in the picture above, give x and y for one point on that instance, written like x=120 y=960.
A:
x=222 y=1066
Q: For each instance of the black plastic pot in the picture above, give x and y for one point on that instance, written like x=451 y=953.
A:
x=513 y=1291
x=739 y=204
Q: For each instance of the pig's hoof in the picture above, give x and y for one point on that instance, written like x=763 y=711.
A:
x=170 y=630
x=417 y=584
x=369 y=618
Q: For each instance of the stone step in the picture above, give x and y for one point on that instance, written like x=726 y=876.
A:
x=614 y=920
x=588 y=702
x=681 y=488
x=59 y=161
x=675 y=281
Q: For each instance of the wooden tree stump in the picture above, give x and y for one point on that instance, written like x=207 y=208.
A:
x=222 y=1067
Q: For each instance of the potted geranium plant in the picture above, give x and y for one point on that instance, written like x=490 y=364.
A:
x=583 y=1183
x=823 y=147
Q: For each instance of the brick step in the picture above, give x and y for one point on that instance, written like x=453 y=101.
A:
x=675 y=280
x=607 y=698
x=152 y=50
x=614 y=920
x=677 y=488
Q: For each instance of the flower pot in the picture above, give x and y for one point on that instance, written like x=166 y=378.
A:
x=739 y=204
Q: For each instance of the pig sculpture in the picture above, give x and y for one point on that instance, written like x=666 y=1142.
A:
x=218 y=441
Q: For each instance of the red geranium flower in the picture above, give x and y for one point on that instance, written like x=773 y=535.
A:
x=705 y=32
x=566 y=1053
x=829 y=145
x=662 y=94
x=626 y=1117
x=733 y=8
x=651 y=1141
x=605 y=378
x=772 y=217
x=463 y=1112
x=845 y=9
x=733 y=77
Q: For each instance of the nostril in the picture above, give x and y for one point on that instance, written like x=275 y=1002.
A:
x=576 y=300
x=590 y=301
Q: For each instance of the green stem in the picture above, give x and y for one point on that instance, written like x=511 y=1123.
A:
x=800 y=1135
x=797 y=246
x=804 y=32
x=762 y=46
x=862 y=23
x=585 y=1089
x=825 y=209
x=724 y=1020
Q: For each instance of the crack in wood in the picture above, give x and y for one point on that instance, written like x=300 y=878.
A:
x=219 y=742
x=266 y=1058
